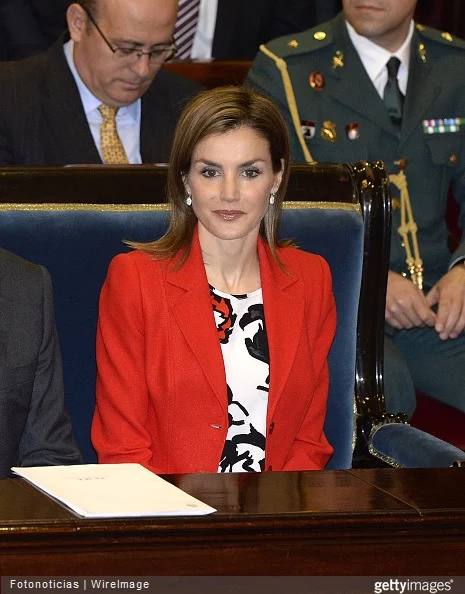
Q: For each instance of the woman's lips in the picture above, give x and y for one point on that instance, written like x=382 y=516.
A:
x=229 y=215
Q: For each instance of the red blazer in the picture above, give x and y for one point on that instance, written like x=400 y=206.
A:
x=161 y=385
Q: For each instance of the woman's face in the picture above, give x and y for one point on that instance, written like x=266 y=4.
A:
x=231 y=178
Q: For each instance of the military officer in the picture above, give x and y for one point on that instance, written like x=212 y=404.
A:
x=371 y=84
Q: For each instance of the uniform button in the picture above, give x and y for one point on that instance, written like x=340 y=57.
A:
x=270 y=468
x=271 y=429
x=453 y=159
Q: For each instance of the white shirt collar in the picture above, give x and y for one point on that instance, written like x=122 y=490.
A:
x=375 y=57
x=89 y=101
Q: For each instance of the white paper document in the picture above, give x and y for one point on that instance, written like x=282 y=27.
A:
x=113 y=491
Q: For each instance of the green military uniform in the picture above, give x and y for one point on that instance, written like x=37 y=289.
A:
x=340 y=117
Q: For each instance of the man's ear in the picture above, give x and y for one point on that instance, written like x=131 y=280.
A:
x=77 y=21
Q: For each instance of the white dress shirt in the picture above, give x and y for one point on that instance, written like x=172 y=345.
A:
x=374 y=58
x=203 y=40
x=127 y=118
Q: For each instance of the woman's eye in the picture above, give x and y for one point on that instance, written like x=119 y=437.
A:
x=251 y=172
x=208 y=172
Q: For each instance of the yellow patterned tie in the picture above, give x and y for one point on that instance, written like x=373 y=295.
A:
x=110 y=143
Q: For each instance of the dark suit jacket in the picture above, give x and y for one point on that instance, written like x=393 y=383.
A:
x=242 y=25
x=161 y=388
x=348 y=100
x=42 y=121
x=34 y=427
x=28 y=27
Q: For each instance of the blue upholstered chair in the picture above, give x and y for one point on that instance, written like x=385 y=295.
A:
x=73 y=221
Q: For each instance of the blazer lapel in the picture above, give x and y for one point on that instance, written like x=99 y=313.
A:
x=421 y=88
x=64 y=113
x=149 y=122
x=193 y=311
x=284 y=314
x=351 y=85
x=157 y=120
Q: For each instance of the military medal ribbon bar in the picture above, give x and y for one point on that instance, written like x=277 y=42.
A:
x=443 y=126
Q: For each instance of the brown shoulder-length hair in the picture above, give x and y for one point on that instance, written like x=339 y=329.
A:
x=217 y=111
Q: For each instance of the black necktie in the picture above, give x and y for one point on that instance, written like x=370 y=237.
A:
x=393 y=98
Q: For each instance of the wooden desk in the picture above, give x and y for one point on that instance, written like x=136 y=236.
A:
x=356 y=522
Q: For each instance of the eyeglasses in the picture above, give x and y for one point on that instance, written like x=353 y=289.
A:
x=128 y=55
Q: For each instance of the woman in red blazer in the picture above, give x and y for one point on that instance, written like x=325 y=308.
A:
x=212 y=341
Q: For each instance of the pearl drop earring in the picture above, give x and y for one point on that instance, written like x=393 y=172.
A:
x=189 y=198
x=272 y=197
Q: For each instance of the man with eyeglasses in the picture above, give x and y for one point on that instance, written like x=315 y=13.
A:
x=100 y=96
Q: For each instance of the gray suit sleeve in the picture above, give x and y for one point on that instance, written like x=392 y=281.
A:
x=47 y=438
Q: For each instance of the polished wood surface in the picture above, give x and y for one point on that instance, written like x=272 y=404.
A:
x=136 y=184
x=356 y=522
x=214 y=73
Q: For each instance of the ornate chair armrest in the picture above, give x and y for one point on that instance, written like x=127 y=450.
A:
x=367 y=424
x=403 y=446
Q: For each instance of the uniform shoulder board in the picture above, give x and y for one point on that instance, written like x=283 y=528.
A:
x=440 y=36
x=302 y=43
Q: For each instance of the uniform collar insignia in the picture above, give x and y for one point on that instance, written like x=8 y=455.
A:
x=338 y=60
x=422 y=51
